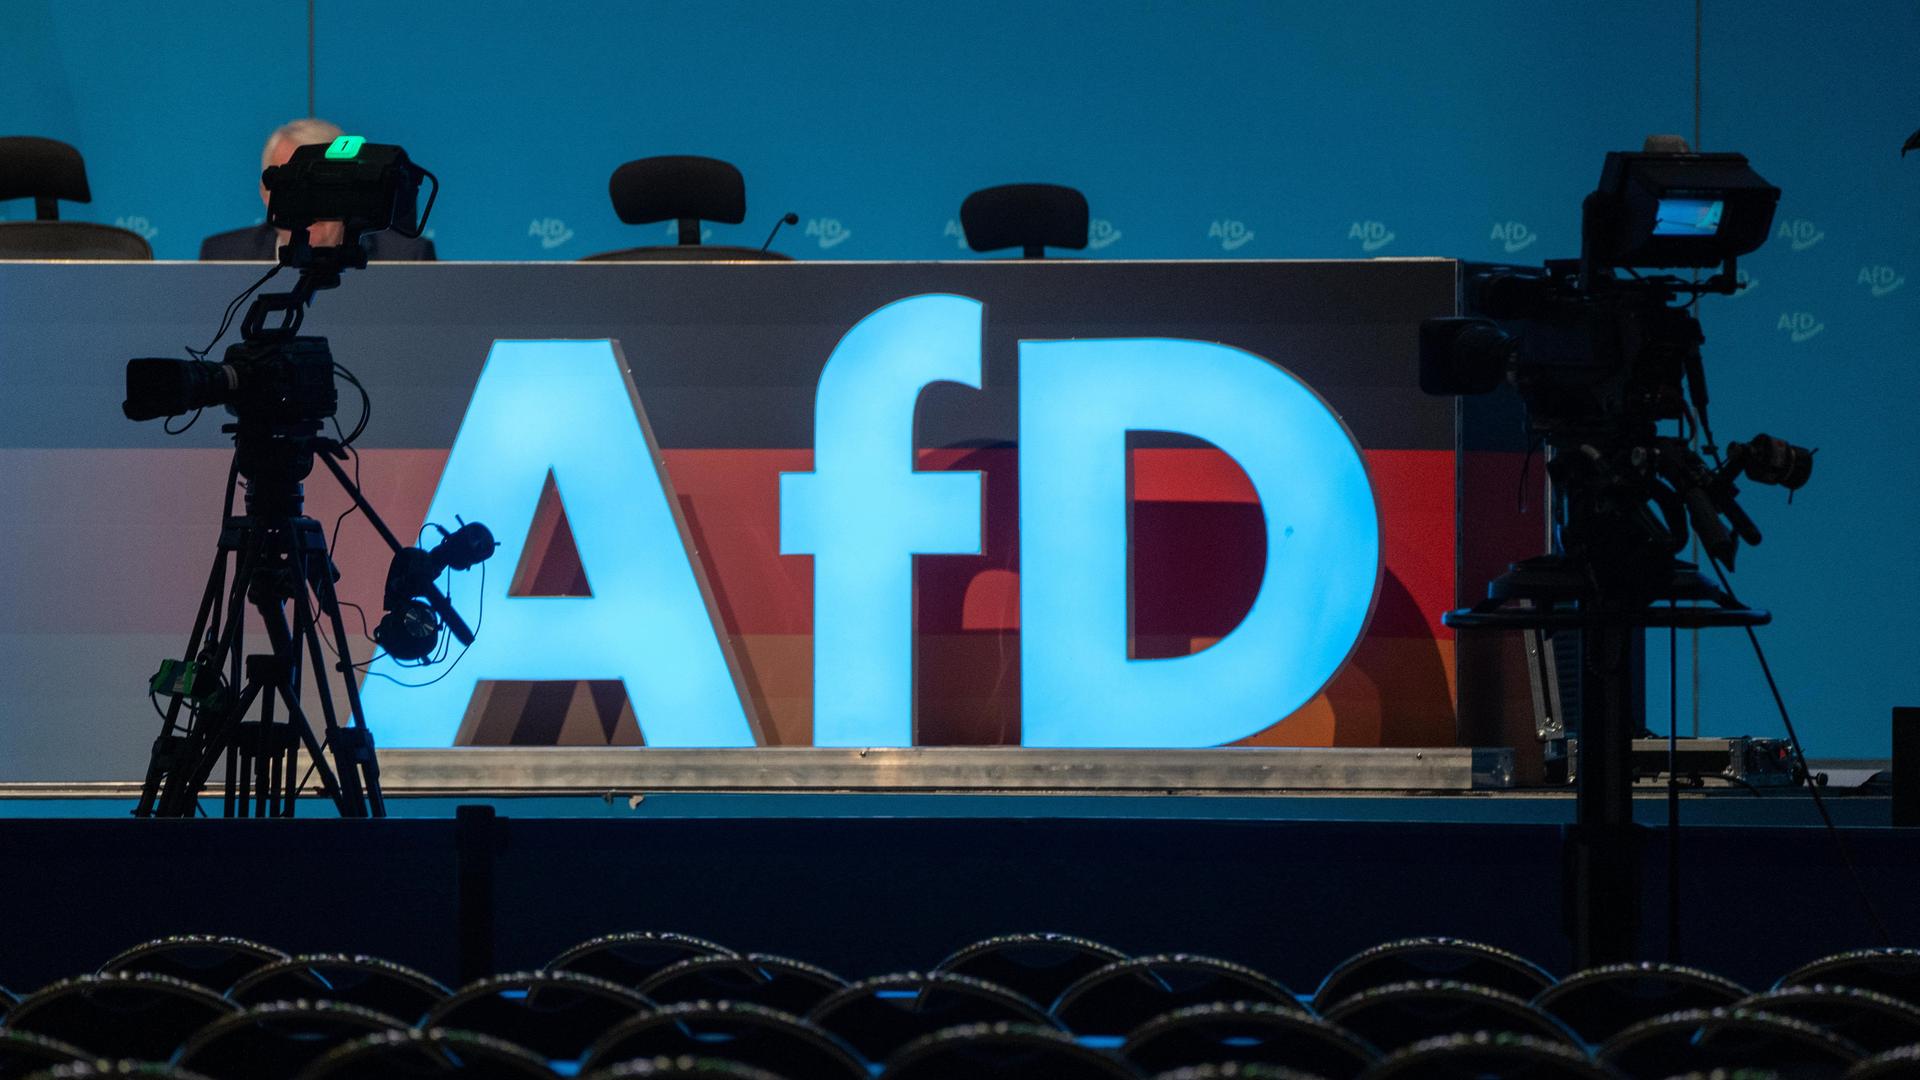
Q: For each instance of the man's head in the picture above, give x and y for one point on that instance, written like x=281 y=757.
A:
x=289 y=137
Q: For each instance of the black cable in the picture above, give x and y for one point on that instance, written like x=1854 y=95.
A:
x=479 y=619
x=233 y=308
x=366 y=407
x=1800 y=756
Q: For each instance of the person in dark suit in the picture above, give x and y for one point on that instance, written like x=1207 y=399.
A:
x=262 y=243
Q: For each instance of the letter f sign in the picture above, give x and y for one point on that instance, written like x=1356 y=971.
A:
x=863 y=513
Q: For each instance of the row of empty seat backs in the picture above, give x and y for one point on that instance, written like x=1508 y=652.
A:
x=681 y=188
x=1021 y=1005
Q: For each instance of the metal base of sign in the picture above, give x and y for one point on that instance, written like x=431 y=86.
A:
x=484 y=771
x=560 y=770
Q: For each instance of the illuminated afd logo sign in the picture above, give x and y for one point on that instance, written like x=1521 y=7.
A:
x=567 y=410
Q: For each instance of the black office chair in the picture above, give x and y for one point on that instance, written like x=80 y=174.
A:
x=1877 y=1022
x=882 y=1014
x=1601 y=1002
x=1893 y=972
x=279 y=1039
x=687 y=190
x=22 y=1054
x=1396 y=1016
x=136 y=1016
x=366 y=981
x=554 y=1013
x=1031 y=217
x=1479 y=1055
x=99 y=1070
x=201 y=959
x=1415 y=959
x=413 y=1054
x=47 y=171
x=1005 y=1052
x=776 y=982
x=632 y=958
x=1037 y=966
x=1122 y=996
x=684 y=1068
x=1242 y=1033
x=1703 y=1039
x=732 y=1031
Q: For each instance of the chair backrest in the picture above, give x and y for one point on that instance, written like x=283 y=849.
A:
x=1601 y=1002
x=1482 y=1054
x=1005 y=1052
x=1031 y=217
x=679 y=187
x=1893 y=972
x=732 y=1031
x=80 y=240
x=44 y=170
x=1417 y=959
x=414 y=1054
x=1399 y=1015
x=23 y=1053
x=777 y=982
x=632 y=958
x=202 y=959
x=556 y=1014
x=1038 y=967
x=1121 y=996
x=1901 y=1064
x=278 y=1039
x=125 y=1015
x=142 y=1070
x=8 y=999
x=880 y=1015
x=1706 y=1039
x=684 y=1068
x=366 y=981
x=1877 y=1022
x=1237 y=1070
x=1243 y=1033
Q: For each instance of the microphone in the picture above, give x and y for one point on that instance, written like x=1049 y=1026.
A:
x=790 y=218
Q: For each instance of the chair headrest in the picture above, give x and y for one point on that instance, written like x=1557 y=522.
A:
x=36 y=168
x=678 y=187
x=1028 y=216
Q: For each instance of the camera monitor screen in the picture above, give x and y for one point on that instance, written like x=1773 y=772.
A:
x=1688 y=217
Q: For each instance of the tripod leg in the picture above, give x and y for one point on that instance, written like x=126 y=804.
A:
x=285 y=645
x=212 y=733
x=357 y=759
x=169 y=749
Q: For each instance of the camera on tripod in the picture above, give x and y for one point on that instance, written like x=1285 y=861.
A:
x=1601 y=355
x=281 y=389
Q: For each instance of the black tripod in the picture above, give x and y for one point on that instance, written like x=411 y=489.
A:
x=281 y=570
x=1609 y=586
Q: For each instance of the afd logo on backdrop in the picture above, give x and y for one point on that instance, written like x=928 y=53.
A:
x=1747 y=283
x=566 y=415
x=1513 y=236
x=1800 y=233
x=1800 y=325
x=828 y=232
x=1373 y=235
x=551 y=232
x=138 y=225
x=1101 y=234
x=1880 y=280
x=1232 y=234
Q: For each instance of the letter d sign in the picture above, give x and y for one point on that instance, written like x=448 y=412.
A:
x=1078 y=400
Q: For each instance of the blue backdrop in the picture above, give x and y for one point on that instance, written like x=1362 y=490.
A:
x=1197 y=129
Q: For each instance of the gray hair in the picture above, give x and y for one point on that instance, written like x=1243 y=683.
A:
x=303 y=132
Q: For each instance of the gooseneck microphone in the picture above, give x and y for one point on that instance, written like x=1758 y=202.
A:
x=790 y=218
